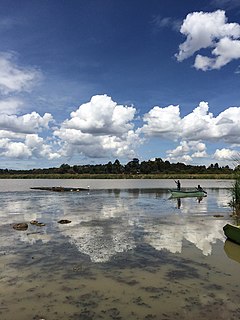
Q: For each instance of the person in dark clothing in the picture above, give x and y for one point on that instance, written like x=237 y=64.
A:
x=178 y=185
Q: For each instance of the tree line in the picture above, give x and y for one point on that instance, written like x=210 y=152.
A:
x=158 y=166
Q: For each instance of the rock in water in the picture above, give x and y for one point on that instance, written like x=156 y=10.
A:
x=64 y=221
x=20 y=226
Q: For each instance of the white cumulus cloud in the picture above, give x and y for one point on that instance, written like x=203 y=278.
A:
x=99 y=128
x=209 y=30
x=39 y=149
x=31 y=146
x=16 y=150
x=101 y=115
x=226 y=154
x=193 y=131
x=19 y=136
x=162 y=121
x=186 y=151
x=27 y=123
x=200 y=124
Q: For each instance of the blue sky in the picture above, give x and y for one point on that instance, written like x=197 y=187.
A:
x=89 y=81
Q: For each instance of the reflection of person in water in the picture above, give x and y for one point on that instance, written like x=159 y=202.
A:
x=199 y=199
x=178 y=203
x=178 y=185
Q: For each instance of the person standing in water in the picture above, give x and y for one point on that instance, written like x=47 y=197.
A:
x=178 y=185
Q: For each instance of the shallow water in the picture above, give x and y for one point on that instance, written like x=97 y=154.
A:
x=128 y=253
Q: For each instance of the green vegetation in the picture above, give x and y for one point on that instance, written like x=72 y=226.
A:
x=235 y=192
x=117 y=176
x=157 y=169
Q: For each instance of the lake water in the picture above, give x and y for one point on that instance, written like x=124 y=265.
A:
x=129 y=252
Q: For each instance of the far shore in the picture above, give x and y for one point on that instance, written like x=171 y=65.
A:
x=120 y=176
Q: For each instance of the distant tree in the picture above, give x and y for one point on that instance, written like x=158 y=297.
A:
x=76 y=169
x=64 y=168
x=149 y=167
x=117 y=167
x=109 y=167
x=237 y=168
x=160 y=164
x=132 y=166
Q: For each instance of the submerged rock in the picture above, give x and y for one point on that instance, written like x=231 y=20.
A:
x=20 y=226
x=64 y=221
x=36 y=223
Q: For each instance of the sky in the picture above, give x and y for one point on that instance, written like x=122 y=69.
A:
x=91 y=81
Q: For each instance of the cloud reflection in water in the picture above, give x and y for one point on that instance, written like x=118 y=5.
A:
x=105 y=224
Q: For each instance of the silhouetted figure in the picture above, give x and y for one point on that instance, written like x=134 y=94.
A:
x=178 y=185
x=199 y=188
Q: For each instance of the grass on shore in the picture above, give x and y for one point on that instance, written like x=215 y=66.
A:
x=118 y=176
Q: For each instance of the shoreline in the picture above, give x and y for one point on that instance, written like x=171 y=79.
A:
x=121 y=176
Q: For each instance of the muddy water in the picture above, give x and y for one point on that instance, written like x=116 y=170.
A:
x=127 y=254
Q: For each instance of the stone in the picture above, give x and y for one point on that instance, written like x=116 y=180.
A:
x=20 y=226
x=64 y=221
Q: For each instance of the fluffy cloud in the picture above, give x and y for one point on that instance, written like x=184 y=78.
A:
x=122 y=146
x=210 y=30
x=163 y=122
x=186 y=151
x=32 y=146
x=27 y=123
x=180 y=150
x=227 y=125
x=101 y=116
x=200 y=124
x=225 y=51
x=196 y=125
x=19 y=134
x=14 y=78
x=18 y=138
x=39 y=149
x=193 y=131
x=16 y=150
x=99 y=128
x=226 y=154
